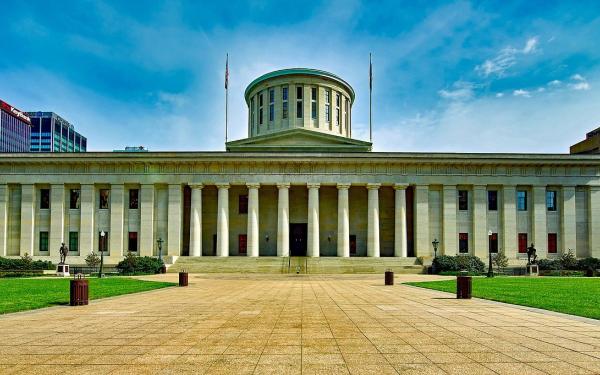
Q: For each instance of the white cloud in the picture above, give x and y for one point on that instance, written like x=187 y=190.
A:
x=506 y=58
x=555 y=83
x=460 y=91
x=499 y=95
x=579 y=83
x=523 y=93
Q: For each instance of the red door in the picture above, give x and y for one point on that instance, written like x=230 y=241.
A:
x=242 y=244
x=552 y=242
x=522 y=243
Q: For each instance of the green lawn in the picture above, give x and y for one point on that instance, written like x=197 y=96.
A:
x=27 y=294
x=570 y=295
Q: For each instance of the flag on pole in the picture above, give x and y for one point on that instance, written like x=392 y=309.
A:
x=227 y=71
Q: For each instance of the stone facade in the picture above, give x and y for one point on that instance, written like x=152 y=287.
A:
x=304 y=191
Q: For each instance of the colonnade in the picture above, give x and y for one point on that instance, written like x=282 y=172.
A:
x=283 y=214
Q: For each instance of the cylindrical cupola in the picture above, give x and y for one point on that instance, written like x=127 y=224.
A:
x=299 y=98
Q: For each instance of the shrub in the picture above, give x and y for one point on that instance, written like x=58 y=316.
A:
x=25 y=263
x=133 y=264
x=588 y=263
x=568 y=260
x=469 y=263
x=549 y=264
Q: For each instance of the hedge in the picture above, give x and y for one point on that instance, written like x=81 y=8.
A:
x=133 y=265
x=25 y=263
x=469 y=263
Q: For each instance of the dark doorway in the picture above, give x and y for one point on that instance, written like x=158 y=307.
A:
x=298 y=238
x=352 y=244
x=410 y=225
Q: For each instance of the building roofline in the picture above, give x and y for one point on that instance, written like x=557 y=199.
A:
x=298 y=71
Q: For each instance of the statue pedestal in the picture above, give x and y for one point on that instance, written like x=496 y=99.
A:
x=62 y=270
x=533 y=270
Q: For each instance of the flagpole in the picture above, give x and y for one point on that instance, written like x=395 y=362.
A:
x=370 y=99
x=226 y=93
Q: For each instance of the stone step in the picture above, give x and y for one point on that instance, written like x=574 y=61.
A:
x=303 y=265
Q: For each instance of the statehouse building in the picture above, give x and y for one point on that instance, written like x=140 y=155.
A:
x=298 y=186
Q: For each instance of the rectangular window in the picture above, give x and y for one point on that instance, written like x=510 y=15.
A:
x=242 y=244
x=252 y=112
x=521 y=200
x=463 y=243
x=271 y=104
x=299 y=107
x=260 y=109
x=353 y=244
x=494 y=243
x=133 y=199
x=346 y=111
x=133 y=242
x=463 y=200
x=74 y=199
x=43 y=241
x=551 y=200
x=522 y=243
x=44 y=199
x=552 y=240
x=337 y=109
x=284 y=98
x=493 y=200
x=103 y=241
x=73 y=241
x=104 y=198
x=327 y=105
x=313 y=103
x=243 y=204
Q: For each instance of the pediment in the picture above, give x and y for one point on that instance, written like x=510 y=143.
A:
x=299 y=140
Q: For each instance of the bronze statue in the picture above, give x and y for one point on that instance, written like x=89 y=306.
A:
x=64 y=251
x=531 y=255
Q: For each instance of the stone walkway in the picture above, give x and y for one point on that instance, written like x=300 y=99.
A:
x=238 y=324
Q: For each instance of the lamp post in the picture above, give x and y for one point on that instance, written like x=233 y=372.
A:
x=490 y=269
x=102 y=234
x=435 y=244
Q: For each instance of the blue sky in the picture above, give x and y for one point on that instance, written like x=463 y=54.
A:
x=505 y=76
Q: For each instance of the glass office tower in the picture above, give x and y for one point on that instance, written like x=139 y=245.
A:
x=52 y=133
x=15 y=129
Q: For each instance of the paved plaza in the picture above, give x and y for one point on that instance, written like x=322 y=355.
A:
x=288 y=324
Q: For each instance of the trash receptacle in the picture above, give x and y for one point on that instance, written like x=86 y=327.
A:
x=79 y=291
x=389 y=277
x=463 y=286
x=183 y=278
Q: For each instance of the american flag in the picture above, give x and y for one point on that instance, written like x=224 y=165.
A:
x=227 y=71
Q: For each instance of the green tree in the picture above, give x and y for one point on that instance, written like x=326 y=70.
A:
x=92 y=260
x=500 y=260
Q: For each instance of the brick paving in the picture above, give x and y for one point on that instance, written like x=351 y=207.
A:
x=288 y=324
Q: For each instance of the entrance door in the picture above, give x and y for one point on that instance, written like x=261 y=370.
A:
x=298 y=237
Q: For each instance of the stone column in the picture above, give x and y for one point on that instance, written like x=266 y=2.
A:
x=28 y=203
x=594 y=221
x=283 y=220
x=480 y=229
x=568 y=219
x=400 y=245
x=174 y=215
x=3 y=219
x=450 y=234
x=147 y=243
x=422 y=241
x=313 y=220
x=87 y=217
x=57 y=219
x=539 y=227
x=343 y=242
x=253 y=249
x=223 y=220
x=196 y=220
x=373 y=220
x=117 y=211
x=509 y=221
